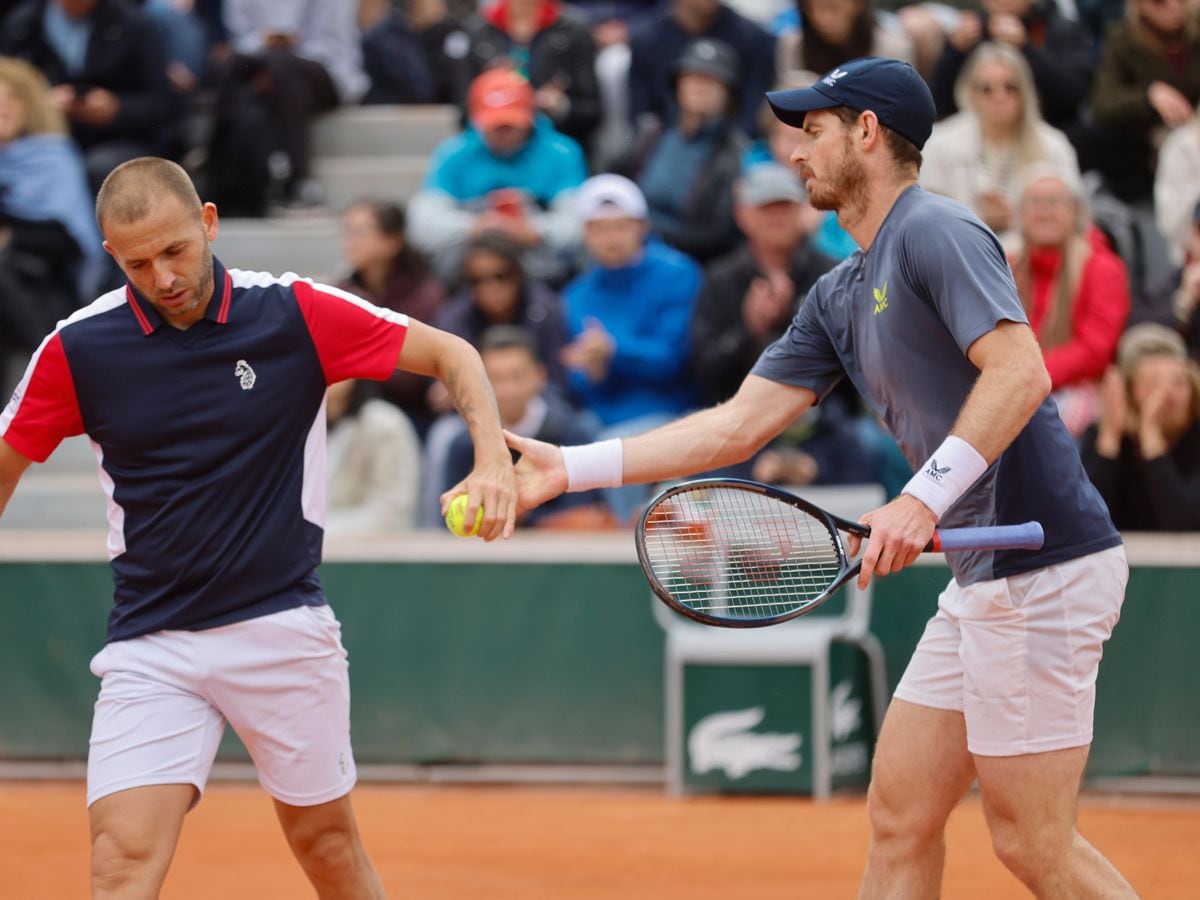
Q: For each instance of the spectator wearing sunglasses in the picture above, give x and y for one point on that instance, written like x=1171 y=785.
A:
x=495 y=289
x=976 y=155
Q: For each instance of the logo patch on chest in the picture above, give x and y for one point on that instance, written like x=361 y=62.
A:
x=245 y=374
x=880 y=298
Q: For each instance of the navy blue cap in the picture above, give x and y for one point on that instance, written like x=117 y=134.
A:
x=890 y=88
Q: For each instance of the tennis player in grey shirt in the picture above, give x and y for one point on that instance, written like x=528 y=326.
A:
x=925 y=320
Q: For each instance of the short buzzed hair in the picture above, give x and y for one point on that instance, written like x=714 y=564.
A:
x=130 y=189
x=507 y=337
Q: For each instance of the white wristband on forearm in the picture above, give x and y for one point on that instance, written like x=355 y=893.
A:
x=594 y=465
x=946 y=475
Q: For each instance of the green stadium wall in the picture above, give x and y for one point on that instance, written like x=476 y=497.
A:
x=550 y=653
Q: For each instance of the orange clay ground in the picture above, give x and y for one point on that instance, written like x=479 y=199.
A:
x=528 y=843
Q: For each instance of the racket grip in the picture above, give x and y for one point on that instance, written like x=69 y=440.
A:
x=1027 y=536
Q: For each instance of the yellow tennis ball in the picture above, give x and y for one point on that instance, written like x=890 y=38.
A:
x=456 y=513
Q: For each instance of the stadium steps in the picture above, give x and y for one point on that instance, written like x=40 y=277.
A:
x=383 y=131
x=309 y=246
x=347 y=178
x=377 y=150
x=357 y=151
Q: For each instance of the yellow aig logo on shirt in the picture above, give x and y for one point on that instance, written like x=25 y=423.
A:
x=880 y=298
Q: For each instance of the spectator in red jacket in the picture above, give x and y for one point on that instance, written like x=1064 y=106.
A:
x=1074 y=287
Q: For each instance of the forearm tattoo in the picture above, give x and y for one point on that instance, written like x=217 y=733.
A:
x=460 y=395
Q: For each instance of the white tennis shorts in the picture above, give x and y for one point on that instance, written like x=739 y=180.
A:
x=1018 y=656
x=282 y=681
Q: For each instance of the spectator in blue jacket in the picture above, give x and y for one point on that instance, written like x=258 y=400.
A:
x=511 y=172
x=628 y=321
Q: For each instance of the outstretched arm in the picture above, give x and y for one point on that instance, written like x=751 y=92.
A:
x=714 y=437
x=454 y=362
x=12 y=467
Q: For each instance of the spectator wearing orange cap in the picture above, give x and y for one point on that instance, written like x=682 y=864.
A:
x=510 y=172
x=553 y=46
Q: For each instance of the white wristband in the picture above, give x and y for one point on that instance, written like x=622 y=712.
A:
x=946 y=475
x=594 y=465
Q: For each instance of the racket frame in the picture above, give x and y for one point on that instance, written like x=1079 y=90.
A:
x=834 y=524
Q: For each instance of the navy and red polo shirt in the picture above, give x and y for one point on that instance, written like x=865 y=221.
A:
x=211 y=440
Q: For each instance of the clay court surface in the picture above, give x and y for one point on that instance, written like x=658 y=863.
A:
x=432 y=842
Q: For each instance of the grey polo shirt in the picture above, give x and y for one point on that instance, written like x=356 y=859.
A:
x=898 y=320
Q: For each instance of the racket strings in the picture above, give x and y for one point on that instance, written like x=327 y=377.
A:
x=739 y=554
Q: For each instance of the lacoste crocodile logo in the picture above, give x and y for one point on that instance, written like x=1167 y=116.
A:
x=725 y=740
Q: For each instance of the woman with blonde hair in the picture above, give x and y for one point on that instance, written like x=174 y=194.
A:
x=51 y=256
x=975 y=155
x=1143 y=454
x=1074 y=288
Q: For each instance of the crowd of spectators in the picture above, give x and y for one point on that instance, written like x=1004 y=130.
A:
x=617 y=226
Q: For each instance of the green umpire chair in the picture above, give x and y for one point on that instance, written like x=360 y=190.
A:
x=787 y=708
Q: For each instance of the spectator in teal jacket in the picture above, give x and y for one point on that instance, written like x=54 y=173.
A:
x=510 y=172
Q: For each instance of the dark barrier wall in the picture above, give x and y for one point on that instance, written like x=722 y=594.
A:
x=553 y=661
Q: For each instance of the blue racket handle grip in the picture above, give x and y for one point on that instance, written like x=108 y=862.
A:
x=1028 y=536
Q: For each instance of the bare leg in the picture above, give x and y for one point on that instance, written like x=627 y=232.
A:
x=134 y=834
x=921 y=771
x=1031 y=803
x=326 y=842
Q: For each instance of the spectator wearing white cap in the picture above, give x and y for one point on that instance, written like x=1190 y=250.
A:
x=1143 y=454
x=628 y=320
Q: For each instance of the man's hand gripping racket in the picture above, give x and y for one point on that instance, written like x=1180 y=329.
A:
x=741 y=554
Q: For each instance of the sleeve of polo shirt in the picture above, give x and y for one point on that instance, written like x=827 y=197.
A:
x=44 y=409
x=959 y=265
x=353 y=338
x=804 y=356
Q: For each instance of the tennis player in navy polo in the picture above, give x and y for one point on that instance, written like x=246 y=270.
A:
x=926 y=322
x=202 y=391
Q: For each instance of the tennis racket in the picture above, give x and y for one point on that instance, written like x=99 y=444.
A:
x=741 y=554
